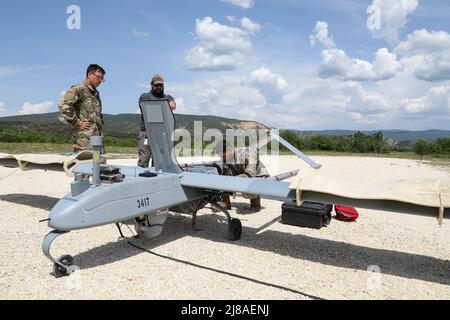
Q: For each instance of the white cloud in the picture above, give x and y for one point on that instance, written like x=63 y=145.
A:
x=300 y=100
x=422 y=42
x=29 y=108
x=435 y=67
x=2 y=107
x=244 y=4
x=320 y=34
x=272 y=86
x=237 y=97
x=365 y=102
x=336 y=63
x=348 y=96
x=428 y=53
x=315 y=94
x=435 y=102
x=140 y=34
x=385 y=64
x=219 y=47
x=232 y=19
x=335 y=104
x=180 y=102
x=222 y=95
x=388 y=17
x=250 y=26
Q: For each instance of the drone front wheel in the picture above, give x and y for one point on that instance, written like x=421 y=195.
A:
x=234 y=229
x=60 y=271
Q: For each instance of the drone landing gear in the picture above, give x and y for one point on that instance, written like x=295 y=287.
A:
x=234 y=225
x=62 y=271
x=63 y=266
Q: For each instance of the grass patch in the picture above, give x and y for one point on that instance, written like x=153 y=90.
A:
x=43 y=148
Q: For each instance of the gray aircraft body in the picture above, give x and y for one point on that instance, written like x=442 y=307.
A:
x=103 y=194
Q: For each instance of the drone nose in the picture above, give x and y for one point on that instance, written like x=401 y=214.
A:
x=66 y=215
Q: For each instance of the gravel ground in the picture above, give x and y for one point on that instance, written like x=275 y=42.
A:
x=381 y=256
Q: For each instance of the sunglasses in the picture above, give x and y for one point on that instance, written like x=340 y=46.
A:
x=98 y=77
x=159 y=85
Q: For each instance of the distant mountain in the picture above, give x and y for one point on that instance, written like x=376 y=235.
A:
x=127 y=126
x=123 y=125
x=396 y=135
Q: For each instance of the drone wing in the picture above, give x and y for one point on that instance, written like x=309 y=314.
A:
x=424 y=197
x=266 y=188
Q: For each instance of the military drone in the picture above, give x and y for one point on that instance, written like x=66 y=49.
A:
x=103 y=194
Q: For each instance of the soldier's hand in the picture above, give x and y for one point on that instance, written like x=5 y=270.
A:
x=85 y=125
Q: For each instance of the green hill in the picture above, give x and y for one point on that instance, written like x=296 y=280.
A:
x=395 y=135
x=127 y=126
x=121 y=125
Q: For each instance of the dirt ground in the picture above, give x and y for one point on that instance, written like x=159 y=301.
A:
x=381 y=256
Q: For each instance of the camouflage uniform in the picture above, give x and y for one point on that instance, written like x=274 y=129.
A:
x=246 y=164
x=82 y=103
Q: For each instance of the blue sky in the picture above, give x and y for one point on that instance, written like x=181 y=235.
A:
x=289 y=64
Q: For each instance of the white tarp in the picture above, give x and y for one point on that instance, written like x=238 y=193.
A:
x=353 y=182
x=65 y=163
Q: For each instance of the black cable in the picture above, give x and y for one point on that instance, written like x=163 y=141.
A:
x=120 y=230
x=223 y=272
x=9 y=175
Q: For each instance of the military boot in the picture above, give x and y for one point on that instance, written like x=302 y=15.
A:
x=226 y=202
x=255 y=204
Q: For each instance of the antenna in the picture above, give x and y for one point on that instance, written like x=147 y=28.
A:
x=294 y=150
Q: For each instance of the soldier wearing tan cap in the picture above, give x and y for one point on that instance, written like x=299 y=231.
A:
x=157 y=93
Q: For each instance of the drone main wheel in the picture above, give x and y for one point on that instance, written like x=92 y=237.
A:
x=60 y=271
x=234 y=229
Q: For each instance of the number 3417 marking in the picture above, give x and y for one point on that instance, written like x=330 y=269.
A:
x=142 y=203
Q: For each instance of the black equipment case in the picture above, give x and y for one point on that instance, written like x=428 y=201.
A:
x=308 y=214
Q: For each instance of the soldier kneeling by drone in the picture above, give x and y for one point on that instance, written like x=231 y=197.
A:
x=242 y=162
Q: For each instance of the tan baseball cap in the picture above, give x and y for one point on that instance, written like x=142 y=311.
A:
x=157 y=79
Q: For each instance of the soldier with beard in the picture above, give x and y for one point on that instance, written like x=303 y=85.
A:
x=157 y=93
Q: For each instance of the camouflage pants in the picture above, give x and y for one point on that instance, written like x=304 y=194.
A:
x=145 y=153
x=82 y=141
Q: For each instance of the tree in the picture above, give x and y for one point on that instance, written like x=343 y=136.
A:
x=290 y=137
x=422 y=148
x=360 y=142
x=323 y=143
x=378 y=138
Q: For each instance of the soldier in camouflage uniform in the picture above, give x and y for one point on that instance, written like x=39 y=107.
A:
x=242 y=162
x=81 y=107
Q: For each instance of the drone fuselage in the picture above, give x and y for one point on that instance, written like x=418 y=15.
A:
x=116 y=202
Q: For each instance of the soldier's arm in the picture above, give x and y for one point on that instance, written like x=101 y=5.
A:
x=251 y=161
x=256 y=167
x=142 y=123
x=67 y=107
x=172 y=103
x=101 y=111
